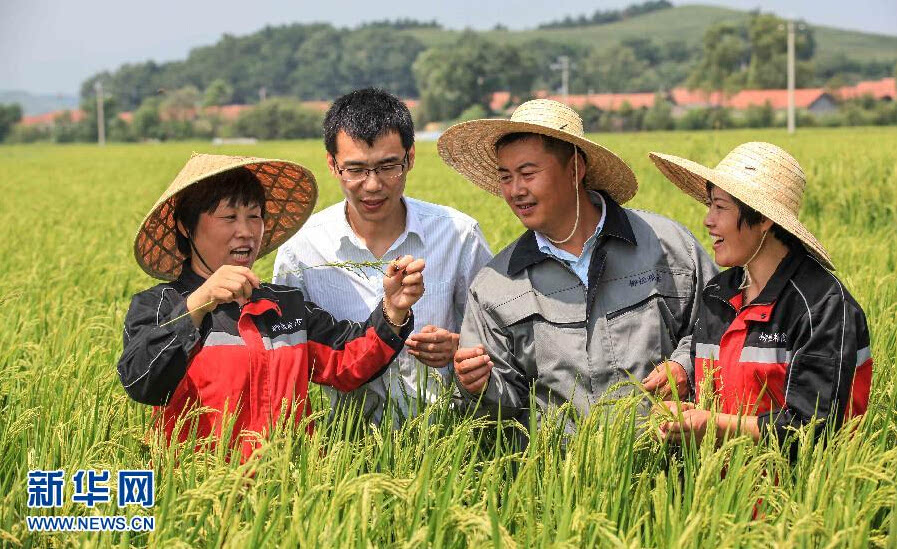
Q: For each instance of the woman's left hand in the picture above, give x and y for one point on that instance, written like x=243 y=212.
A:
x=403 y=285
x=692 y=426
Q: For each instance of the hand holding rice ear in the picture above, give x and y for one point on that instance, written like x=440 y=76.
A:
x=403 y=286
x=761 y=175
x=228 y=283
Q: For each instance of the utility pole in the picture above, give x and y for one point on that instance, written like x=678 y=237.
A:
x=263 y=93
x=563 y=65
x=790 y=76
x=101 y=119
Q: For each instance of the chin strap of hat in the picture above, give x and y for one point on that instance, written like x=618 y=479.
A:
x=575 y=190
x=746 y=281
x=203 y=261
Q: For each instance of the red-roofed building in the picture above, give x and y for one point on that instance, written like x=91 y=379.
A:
x=882 y=90
x=499 y=101
x=607 y=101
x=815 y=100
x=227 y=112
x=322 y=105
x=48 y=119
x=686 y=98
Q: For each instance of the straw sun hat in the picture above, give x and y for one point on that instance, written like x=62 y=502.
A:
x=290 y=193
x=761 y=175
x=469 y=148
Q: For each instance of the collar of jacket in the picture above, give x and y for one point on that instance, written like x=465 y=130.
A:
x=616 y=224
x=724 y=286
x=189 y=281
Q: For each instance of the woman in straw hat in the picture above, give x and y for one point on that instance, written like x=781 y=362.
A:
x=592 y=294
x=213 y=335
x=780 y=340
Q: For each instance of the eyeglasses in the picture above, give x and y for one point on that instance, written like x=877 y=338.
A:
x=358 y=174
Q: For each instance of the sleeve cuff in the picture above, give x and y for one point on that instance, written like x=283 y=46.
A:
x=683 y=357
x=488 y=402
x=384 y=329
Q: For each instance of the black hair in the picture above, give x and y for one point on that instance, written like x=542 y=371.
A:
x=751 y=217
x=238 y=186
x=366 y=115
x=561 y=149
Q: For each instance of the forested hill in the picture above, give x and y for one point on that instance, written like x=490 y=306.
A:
x=647 y=52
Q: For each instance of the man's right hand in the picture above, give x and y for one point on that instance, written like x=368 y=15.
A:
x=472 y=368
x=228 y=283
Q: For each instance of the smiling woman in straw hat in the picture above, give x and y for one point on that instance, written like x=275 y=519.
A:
x=592 y=293
x=780 y=338
x=214 y=335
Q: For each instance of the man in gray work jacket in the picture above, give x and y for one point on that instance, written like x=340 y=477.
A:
x=591 y=294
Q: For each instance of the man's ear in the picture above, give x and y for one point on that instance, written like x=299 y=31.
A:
x=580 y=168
x=766 y=224
x=410 y=159
x=331 y=164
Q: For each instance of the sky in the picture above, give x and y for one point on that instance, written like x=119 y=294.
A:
x=51 y=46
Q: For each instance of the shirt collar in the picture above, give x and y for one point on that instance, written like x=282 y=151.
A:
x=547 y=246
x=616 y=224
x=725 y=285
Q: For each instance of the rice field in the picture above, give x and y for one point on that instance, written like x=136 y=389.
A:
x=69 y=214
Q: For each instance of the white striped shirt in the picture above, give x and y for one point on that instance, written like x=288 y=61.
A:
x=455 y=250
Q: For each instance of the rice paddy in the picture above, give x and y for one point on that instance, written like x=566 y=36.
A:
x=69 y=214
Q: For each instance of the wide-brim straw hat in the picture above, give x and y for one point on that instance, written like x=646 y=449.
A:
x=290 y=196
x=469 y=148
x=761 y=175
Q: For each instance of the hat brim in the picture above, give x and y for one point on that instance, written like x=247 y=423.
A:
x=290 y=196
x=692 y=177
x=469 y=148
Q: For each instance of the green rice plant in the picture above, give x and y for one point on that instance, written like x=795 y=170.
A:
x=440 y=479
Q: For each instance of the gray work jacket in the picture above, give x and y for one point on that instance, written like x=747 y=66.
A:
x=546 y=331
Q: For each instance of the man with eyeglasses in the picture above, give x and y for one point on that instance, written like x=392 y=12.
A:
x=369 y=137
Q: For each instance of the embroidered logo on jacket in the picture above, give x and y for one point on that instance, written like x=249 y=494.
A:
x=773 y=338
x=643 y=279
x=287 y=326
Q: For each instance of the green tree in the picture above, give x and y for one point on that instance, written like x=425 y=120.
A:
x=379 y=57
x=769 y=47
x=726 y=52
x=591 y=118
x=473 y=112
x=66 y=130
x=119 y=130
x=646 y=49
x=660 y=115
x=9 y=117
x=147 y=124
x=759 y=116
x=218 y=93
x=279 y=118
x=631 y=119
x=612 y=70
x=546 y=52
x=317 y=73
x=180 y=105
x=454 y=77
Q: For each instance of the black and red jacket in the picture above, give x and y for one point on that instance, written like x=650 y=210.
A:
x=799 y=351
x=255 y=362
